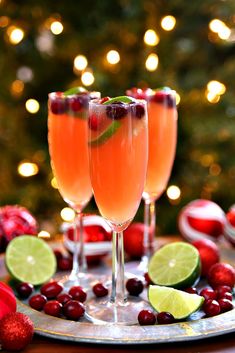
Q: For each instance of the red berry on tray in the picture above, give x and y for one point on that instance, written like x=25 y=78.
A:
x=53 y=308
x=227 y=295
x=165 y=318
x=209 y=254
x=146 y=317
x=51 y=289
x=221 y=290
x=58 y=254
x=104 y=99
x=134 y=286
x=221 y=274
x=208 y=293
x=191 y=290
x=225 y=305
x=211 y=307
x=24 y=289
x=65 y=264
x=77 y=293
x=63 y=298
x=73 y=310
x=37 y=301
x=100 y=290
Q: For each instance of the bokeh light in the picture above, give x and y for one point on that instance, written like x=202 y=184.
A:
x=17 y=88
x=44 y=234
x=80 y=62
x=54 y=183
x=32 y=106
x=67 y=214
x=15 y=34
x=151 y=63
x=151 y=38
x=87 y=78
x=27 y=169
x=113 y=57
x=56 y=27
x=173 y=192
x=168 y=23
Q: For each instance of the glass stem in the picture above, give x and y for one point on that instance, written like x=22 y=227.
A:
x=79 y=259
x=149 y=229
x=118 y=284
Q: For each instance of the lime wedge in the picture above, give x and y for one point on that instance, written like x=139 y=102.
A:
x=106 y=134
x=175 y=265
x=30 y=259
x=74 y=90
x=123 y=99
x=180 y=304
x=164 y=88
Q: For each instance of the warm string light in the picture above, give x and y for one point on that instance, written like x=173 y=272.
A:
x=87 y=78
x=67 y=214
x=168 y=23
x=113 y=57
x=151 y=62
x=32 y=106
x=17 y=88
x=56 y=27
x=214 y=91
x=151 y=38
x=15 y=34
x=80 y=62
x=44 y=234
x=219 y=27
x=27 y=169
x=173 y=192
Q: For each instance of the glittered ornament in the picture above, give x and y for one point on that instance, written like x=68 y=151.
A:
x=209 y=254
x=15 y=220
x=133 y=240
x=221 y=274
x=7 y=300
x=16 y=331
x=229 y=228
x=201 y=219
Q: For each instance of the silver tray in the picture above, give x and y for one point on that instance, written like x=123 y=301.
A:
x=115 y=334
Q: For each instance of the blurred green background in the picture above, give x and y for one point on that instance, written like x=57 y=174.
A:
x=39 y=41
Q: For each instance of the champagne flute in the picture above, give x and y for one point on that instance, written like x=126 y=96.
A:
x=67 y=138
x=118 y=154
x=162 y=123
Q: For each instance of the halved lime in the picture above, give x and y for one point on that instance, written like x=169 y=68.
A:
x=30 y=259
x=123 y=99
x=106 y=134
x=74 y=90
x=175 y=265
x=180 y=304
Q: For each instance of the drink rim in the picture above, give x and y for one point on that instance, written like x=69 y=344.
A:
x=135 y=101
x=60 y=94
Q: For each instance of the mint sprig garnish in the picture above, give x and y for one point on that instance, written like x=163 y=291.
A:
x=74 y=90
x=123 y=99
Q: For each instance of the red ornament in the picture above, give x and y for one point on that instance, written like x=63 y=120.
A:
x=229 y=228
x=97 y=237
x=221 y=274
x=133 y=240
x=209 y=254
x=16 y=331
x=15 y=220
x=7 y=300
x=201 y=219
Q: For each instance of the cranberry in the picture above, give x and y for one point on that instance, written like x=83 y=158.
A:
x=37 y=301
x=191 y=290
x=208 y=293
x=24 y=289
x=104 y=99
x=146 y=317
x=77 y=293
x=116 y=110
x=148 y=280
x=165 y=318
x=93 y=122
x=58 y=105
x=73 y=310
x=211 y=307
x=53 y=308
x=75 y=104
x=225 y=305
x=63 y=298
x=51 y=289
x=227 y=295
x=65 y=264
x=134 y=286
x=221 y=290
x=58 y=254
x=100 y=290
x=165 y=98
x=138 y=110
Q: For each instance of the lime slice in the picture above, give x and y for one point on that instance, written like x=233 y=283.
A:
x=175 y=265
x=74 y=90
x=180 y=304
x=123 y=99
x=30 y=259
x=164 y=88
x=106 y=134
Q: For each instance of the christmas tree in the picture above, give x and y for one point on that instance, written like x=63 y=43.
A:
x=107 y=46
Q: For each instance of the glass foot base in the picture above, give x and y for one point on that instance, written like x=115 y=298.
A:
x=103 y=311
x=85 y=280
